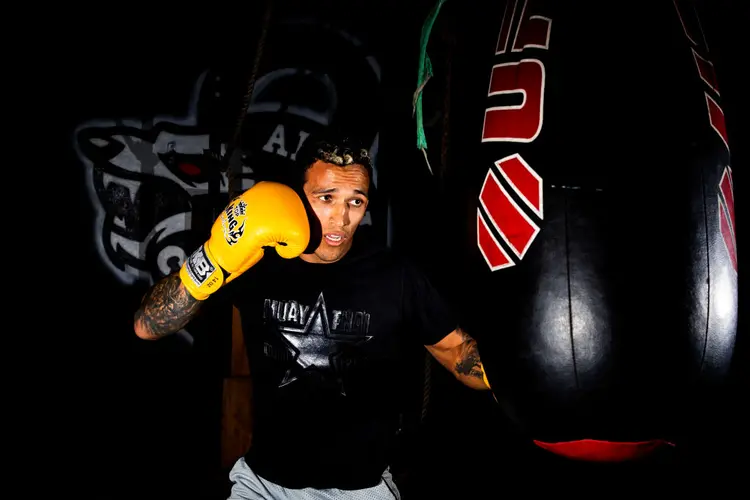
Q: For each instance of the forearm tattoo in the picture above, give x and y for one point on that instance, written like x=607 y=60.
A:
x=468 y=362
x=166 y=308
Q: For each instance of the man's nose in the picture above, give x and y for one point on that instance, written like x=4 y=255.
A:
x=340 y=215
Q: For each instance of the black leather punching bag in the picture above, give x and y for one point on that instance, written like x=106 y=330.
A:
x=591 y=187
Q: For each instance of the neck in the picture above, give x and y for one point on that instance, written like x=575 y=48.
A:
x=314 y=259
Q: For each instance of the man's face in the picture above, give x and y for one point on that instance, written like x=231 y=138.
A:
x=338 y=196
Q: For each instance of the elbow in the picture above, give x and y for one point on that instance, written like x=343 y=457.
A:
x=473 y=382
x=141 y=331
x=143 y=334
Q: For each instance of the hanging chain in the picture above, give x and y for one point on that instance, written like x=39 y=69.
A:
x=235 y=163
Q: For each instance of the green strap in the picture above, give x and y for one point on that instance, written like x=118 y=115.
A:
x=424 y=74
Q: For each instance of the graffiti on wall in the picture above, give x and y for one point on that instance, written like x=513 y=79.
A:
x=146 y=178
x=143 y=179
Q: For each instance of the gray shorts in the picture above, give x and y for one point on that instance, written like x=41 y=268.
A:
x=247 y=485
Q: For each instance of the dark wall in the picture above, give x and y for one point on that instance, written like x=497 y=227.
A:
x=143 y=417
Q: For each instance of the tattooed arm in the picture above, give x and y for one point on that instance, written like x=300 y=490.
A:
x=459 y=354
x=165 y=309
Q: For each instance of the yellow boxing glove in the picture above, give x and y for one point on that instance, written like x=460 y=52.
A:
x=268 y=214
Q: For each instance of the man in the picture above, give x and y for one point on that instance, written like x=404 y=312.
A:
x=330 y=334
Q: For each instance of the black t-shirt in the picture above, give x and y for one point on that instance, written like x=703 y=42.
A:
x=330 y=349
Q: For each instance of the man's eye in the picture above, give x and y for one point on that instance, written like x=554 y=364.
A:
x=325 y=197
x=357 y=203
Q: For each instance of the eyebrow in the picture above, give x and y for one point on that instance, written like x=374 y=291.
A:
x=333 y=190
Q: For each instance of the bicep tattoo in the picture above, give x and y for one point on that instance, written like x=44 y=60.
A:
x=468 y=362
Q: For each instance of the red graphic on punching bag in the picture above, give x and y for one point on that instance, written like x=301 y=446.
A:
x=515 y=227
x=514 y=123
x=491 y=250
x=694 y=33
x=533 y=32
x=523 y=179
x=716 y=119
x=706 y=70
x=726 y=215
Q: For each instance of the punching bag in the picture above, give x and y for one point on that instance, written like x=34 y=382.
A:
x=591 y=193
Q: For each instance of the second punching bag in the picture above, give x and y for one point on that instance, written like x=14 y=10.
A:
x=591 y=188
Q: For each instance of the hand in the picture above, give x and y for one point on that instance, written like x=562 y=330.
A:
x=268 y=214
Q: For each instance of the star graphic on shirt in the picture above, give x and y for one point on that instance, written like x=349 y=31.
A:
x=315 y=346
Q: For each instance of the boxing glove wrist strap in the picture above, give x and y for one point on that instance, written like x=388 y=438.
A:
x=201 y=274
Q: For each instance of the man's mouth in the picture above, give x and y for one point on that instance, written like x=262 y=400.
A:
x=334 y=239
